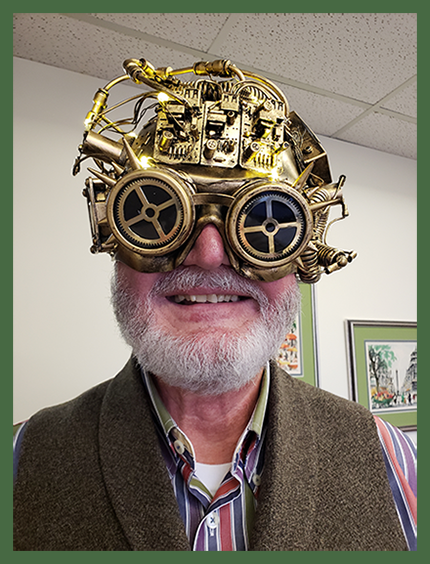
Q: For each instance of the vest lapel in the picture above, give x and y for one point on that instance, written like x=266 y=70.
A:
x=134 y=471
x=286 y=506
x=324 y=485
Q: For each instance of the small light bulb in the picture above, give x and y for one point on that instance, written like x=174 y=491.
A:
x=274 y=175
x=163 y=97
x=145 y=161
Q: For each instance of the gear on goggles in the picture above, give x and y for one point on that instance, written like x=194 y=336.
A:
x=226 y=152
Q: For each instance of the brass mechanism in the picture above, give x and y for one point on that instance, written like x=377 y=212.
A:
x=226 y=151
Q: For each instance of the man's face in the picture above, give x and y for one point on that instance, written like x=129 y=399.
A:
x=202 y=326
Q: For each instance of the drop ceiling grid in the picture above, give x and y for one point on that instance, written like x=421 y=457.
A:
x=405 y=101
x=324 y=115
x=345 y=61
x=75 y=45
x=194 y=30
x=384 y=133
x=349 y=54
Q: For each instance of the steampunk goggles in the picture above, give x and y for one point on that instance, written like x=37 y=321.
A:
x=225 y=152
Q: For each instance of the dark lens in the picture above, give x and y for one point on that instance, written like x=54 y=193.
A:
x=256 y=215
x=155 y=194
x=145 y=229
x=284 y=238
x=132 y=206
x=282 y=212
x=167 y=218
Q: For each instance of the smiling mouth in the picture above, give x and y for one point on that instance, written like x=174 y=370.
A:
x=191 y=299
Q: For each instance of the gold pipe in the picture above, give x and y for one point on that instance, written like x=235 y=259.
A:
x=272 y=86
x=185 y=70
x=116 y=81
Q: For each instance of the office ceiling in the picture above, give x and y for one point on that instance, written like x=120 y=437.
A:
x=349 y=76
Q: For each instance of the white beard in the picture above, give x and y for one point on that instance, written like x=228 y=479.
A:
x=213 y=361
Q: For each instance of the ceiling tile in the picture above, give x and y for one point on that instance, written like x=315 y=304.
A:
x=386 y=133
x=364 y=56
x=194 y=30
x=60 y=41
x=323 y=115
x=337 y=63
x=405 y=102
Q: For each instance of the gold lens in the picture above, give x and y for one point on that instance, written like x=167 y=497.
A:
x=150 y=212
x=269 y=224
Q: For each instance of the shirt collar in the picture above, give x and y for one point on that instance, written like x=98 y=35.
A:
x=171 y=429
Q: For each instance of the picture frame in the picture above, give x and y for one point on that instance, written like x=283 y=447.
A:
x=298 y=353
x=382 y=363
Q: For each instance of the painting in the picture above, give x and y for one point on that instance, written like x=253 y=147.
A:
x=297 y=354
x=383 y=369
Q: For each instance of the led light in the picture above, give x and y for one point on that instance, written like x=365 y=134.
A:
x=163 y=97
x=145 y=162
x=274 y=175
x=88 y=122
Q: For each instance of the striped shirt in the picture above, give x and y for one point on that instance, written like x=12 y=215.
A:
x=223 y=521
x=400 y=457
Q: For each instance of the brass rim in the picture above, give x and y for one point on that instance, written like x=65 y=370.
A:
x=269 y=225
x=150 y=212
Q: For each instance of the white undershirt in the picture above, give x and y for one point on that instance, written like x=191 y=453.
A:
x=212 y=474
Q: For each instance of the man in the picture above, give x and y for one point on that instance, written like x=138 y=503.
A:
x=201 y=442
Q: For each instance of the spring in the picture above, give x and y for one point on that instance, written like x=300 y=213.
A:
x=311 y=271
x=320 y=195
x=329 y=256
x=321 y=218
x=320 y=224
x=326 y=254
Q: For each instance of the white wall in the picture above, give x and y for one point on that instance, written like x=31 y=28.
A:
x=65 y=338
x=380 y=284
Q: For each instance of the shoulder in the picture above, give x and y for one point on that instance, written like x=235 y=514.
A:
x=82 y=410
x=74 y=423
x=400 y=457
x=78 y=411
x=323 y=404
x=400 y=453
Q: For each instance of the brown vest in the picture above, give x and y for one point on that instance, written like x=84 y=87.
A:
x=91 y=476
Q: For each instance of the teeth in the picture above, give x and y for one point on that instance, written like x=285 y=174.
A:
x=204 y=298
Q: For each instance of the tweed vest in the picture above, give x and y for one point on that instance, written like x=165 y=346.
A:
x=91 y=475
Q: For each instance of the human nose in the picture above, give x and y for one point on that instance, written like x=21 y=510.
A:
x=208 y=250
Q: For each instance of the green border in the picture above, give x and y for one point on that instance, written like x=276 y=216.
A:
x=308 y=336
x=26 y=6
x=361 y=331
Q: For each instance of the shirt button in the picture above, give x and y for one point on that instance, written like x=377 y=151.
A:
x=179 y=446
x=212 y=520
x=256 y=478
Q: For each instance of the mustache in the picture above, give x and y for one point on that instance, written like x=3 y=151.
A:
x=224 y=279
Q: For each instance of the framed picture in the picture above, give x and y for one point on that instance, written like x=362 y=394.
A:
x=383 y=369
x=297 y=354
